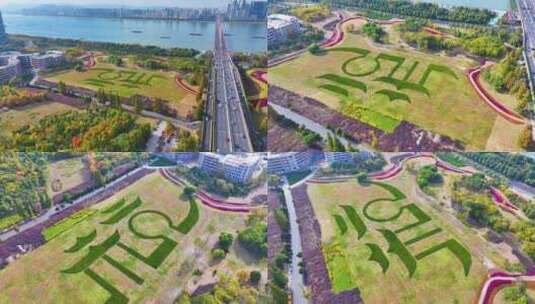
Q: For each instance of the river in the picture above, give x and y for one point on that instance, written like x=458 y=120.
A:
x=242 y=36
x=495 y=5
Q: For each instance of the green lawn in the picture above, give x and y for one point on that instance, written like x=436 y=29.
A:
x=295 y=177
x=165 y=260
x=126 y=82
x=66 y=174
x=452 y=107
x=8 y=221
x=360 y=256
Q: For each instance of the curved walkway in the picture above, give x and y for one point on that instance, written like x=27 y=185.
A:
x=502 y=110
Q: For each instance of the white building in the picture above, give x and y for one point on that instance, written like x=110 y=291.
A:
x=180 y=157
x=10 y=67
x=13 y=64
x=338 y=157
x=210 y=162
x=281 y=163
x=46 y=60
x=281 y=26
x=235 y=167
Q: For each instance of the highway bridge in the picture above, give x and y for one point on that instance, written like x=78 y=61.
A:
x=227 y=122
x=527 y=11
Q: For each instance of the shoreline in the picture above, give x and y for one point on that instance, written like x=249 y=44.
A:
x=136 y=18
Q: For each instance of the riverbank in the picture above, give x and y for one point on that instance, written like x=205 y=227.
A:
x=242 y=36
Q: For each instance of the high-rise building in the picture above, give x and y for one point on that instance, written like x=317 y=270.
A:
x=3 y=35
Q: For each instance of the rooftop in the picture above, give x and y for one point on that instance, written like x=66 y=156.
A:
x=279 y=20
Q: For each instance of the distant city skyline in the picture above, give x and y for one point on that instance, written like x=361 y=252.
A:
x=17 y=4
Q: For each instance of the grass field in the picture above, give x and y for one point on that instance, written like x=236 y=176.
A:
x=66 y=174
x=19 y=117
x=44 y=274
x=127 y=82
x=364 y=262
x=449 y=107
x=8 y=221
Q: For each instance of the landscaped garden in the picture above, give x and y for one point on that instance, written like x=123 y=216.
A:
x=392 y=243
x=383 y=85
x=140 y=245
x=127 y=82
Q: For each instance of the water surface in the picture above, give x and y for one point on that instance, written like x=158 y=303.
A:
x=243 y=36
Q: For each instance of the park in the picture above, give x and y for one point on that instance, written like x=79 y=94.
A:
x=387 y=227
x=128 y=81
x=151 y=241
x=388 y=83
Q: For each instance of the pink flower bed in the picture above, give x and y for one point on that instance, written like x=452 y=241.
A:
x=433 y=31
x=389 y=173
x=473 y=76
x=210 y=201
x=499 y=279
x=501 y=200
x=180 y=82
x=260 y=76
x=222 y=205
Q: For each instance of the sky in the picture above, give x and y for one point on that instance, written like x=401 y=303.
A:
x=15 y=4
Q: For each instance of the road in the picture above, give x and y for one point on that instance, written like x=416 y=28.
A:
x=226 y=127
x=296 y=279
x=154 y=140
x=315 y=127
x=527 y=11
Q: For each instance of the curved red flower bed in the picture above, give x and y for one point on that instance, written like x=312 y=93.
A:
x=389 y=173
x=260 y=76
x=473 y=76
x=262 y=102
x=182 y=84
x=222 y=205
x=209 y=201
x=499 y=279
x=502 y=201
x=433 y=31
x=90 y=61
x=395 y=169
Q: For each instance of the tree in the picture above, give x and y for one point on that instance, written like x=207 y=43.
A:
x=243 y=276
x=188 y=192
x=255 y=277
x=362 y=178
x=62 y=88
x=225 y=240
x=525 y=139
x=138 y=105
x=218 y=253
x=428 y=175
x=374 y=31
x=254 y=238
x=314 y=48
x=158 y=105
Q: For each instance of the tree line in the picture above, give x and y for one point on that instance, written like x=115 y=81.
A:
x=100 y=129
x=420 y=10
